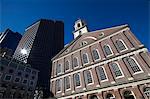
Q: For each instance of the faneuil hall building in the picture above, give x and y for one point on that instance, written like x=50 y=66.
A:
x=104 y=64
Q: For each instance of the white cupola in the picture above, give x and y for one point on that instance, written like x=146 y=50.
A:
x=80 y=28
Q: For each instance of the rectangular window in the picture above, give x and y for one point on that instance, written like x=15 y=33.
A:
x=25 y=81
x=8 y=77
x=17 y=79
x=28 y=70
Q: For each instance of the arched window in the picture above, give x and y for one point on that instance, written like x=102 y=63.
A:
x=75 y=62
x=58 y=69
x=95 y=54
x=58 y=85
x=102 y=73
x=107 y=49
x=77 y=79
x=147 y=92
x=78 y=24
x=67 y=65
x=67 y=82
x=88 y=76
x=93 y=97
x=116 y=69
x=128 y=95
x=120 y=44
x=85 y=58
x=133 y=64
x=110 y=96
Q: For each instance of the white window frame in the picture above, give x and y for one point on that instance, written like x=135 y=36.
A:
x=69 y=66
x=77 y=63
x=55 y=70
x=120 y=70
x=69 y=82
x=8 y=75
x=83 y=43
x=91 y=77
x=145 y=92
x=101 y=35
x=138 y=66
x=111 y=97
x=98 y=54
x=110 y=50
x=87 y=59
x=80 y=80
x=60 y=86
x=131 y=93
x=19 y=80
x=105 y=75
x=60 y=68
x=24 y=83
x=126 y=48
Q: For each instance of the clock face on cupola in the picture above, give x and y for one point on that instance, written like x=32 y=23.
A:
x=80 y=28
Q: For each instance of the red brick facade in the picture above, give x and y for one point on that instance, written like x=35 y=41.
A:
x=115 y=87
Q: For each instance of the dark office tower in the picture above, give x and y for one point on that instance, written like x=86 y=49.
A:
x=9 y=40
x=40 y=43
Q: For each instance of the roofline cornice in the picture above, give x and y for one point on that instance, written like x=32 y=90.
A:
x=123 y=27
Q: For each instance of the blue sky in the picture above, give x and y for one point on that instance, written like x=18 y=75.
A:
x=99 y=14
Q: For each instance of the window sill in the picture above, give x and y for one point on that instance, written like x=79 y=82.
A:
x=138 y=72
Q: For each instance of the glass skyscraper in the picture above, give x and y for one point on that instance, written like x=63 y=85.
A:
x=40 y=42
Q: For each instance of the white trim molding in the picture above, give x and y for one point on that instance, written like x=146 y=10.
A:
x=87 y=59
x=91 y=44
x=126 y=48
x=106 y=89
x=101 y=63
x=112 y=53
